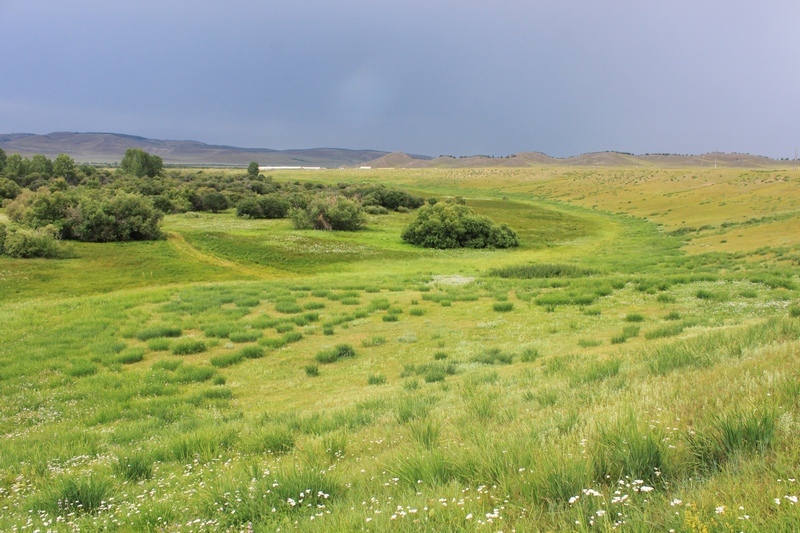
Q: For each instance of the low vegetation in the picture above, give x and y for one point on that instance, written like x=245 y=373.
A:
x=608 y=373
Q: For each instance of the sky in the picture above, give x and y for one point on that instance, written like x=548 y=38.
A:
x=455 y=77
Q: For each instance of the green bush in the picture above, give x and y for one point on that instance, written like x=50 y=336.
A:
x=311 y=370
x=268 y=206
x=329 y=212
x=450 y=225
x=25 y=243
x=503 y=307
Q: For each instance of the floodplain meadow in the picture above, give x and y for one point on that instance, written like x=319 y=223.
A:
x=632 y=366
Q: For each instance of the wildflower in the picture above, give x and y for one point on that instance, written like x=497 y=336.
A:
x=645 y=488
x=573 y=499
x=720 y=509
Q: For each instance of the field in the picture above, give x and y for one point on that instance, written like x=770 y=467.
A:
x=632 y=366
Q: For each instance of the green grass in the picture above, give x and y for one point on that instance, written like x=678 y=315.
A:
x=506 y=414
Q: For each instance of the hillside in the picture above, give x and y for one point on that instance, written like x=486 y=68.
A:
x=110 y=147
x=594 y=159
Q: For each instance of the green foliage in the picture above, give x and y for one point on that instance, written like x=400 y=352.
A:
x=252 y=169
x=9 y=189
x=269 y=206
x=139 y=163
x=311 y=371
x=634 y=317
x=331 y=212
x=24 y=243
x=450 y=225
x=91 y=216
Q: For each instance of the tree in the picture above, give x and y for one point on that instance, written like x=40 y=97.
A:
x=64 y=167
x=41 y=165
x=252 y=169
x=2 y=159
x=139 y=163
x=16 y=168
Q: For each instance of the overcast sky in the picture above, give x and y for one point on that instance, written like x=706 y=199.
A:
x=433 y=77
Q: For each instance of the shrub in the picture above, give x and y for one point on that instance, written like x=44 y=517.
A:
x=269 y=206
x=450 y=225
x=25 y=243
x=314 y=305
x=634 y=317
x=311 y=370
x=119 y=217
x=416 y=311
x=390 y=318
x=794 y=311
x=188 y=347
x=503 y=307
x=329 y=213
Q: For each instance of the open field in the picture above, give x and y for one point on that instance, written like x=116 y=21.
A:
x=632 y=366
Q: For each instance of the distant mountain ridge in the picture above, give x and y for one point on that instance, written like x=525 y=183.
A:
x=110 y=147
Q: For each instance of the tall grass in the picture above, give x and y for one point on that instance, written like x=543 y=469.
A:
x=540 y=270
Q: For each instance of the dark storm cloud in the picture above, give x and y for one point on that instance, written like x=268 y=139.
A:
x=562 y=77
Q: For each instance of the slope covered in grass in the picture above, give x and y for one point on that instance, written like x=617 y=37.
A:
x=269 y=378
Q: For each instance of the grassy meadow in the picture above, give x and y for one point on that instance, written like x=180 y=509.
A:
x=632 y=366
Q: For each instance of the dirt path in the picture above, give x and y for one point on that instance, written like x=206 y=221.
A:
x=177 y=240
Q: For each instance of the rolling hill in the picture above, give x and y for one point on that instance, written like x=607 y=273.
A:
x=110 y=147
